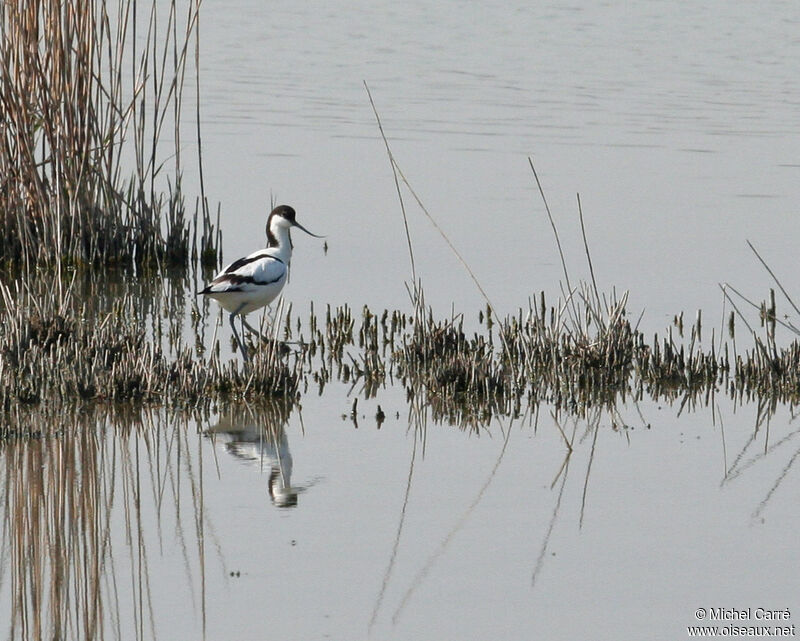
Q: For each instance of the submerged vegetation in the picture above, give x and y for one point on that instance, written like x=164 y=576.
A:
x=62 y=351
x=57 y=351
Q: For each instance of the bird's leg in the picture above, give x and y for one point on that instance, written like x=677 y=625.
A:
x=236 y=336
x=244 y=323
x=253 y=330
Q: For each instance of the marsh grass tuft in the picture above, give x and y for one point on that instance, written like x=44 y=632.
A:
x=62 y=353
x=73 y=351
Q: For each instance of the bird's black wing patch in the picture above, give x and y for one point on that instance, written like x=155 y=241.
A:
x=241 y=262
x=234 y=282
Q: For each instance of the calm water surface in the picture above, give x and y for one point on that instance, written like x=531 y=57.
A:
x=678 y=124
x=265 y=523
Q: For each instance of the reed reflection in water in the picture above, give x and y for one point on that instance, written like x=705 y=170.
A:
x=88 y=511
x=125 y=524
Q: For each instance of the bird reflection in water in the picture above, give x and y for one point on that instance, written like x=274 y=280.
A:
x=257 y=435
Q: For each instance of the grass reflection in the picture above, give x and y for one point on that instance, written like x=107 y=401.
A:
x=87 y=508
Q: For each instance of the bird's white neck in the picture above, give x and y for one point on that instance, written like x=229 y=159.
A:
x=280 y=242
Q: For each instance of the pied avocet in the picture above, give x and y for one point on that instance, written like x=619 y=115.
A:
x=254 y=281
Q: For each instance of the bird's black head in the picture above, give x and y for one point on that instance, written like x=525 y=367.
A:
x=282 y=216
x=285 y=212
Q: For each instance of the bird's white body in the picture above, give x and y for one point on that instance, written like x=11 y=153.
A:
x=254 y=281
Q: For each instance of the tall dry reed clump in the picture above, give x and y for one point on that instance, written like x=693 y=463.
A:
x=87 y=89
